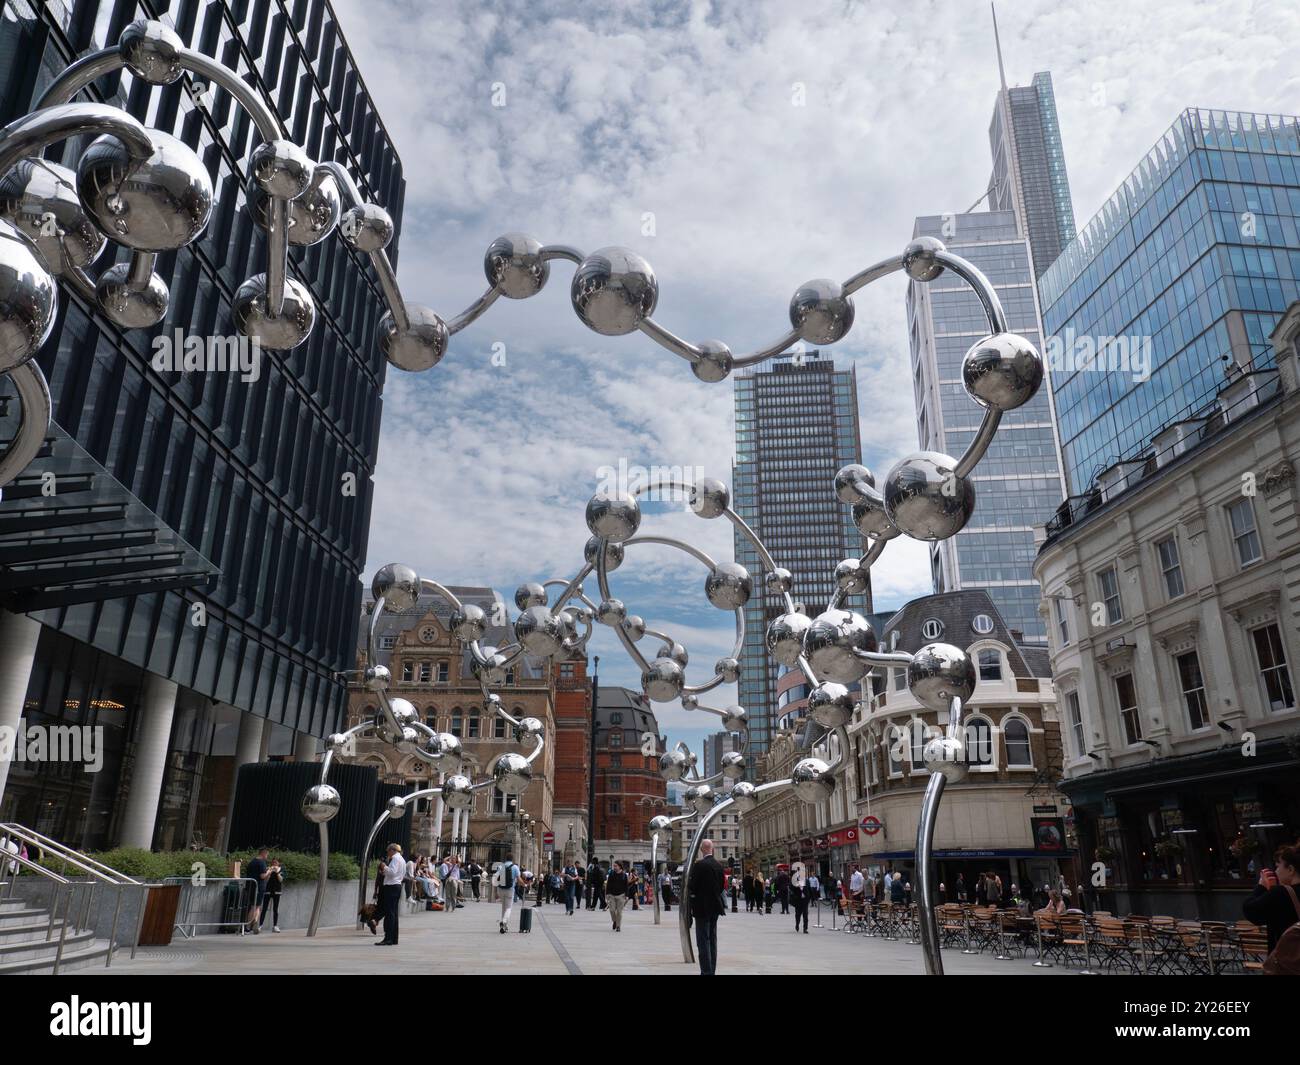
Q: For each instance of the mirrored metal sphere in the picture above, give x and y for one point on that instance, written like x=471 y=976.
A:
x=531 y=593
x=321 y=803
x=732 y=764
x=848 y=480
x=699 y=797
x=397 y=585
x=529 y=728
x=403 y=710
x=515 y=266
x=811 y=781
x=831 y=705
x=614 y=291
x=735 y=719
x=1002 y=371
x=742 y=795
x=820 y=312
x=784 y=637
x=946 y=755
x=512 y=773
x=279 y=332
x=367 y=227
x=420 y=346
x=611 y=612
x=128 y=303
x=614 y=516
x=677 y=652
x=448 y=752
x=159 y=205
x=850 y=576
x=458 y=792
x=281 y=168
x=728 y=585
x=709 y=498
x=152 y=51
x=337 y=741
x=673 y=764
x=540 y=631
x=779 y=580
x=39 y=199
x=396 y=808
x=613 y=553
x=492 y=671
x=661 y=824
x=690 y=702
x=715 y=362
x=870 y=518
x=940 y=672
x=926 y=499
x=29 y=299
x=919 y=259
x=831 y=642
x=469 y=623
x=663 y=680
x=314 y=215
x=728 y=669
x=634 y=626
x=377 y=678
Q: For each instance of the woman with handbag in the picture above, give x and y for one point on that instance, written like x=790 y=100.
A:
x=1276 y=905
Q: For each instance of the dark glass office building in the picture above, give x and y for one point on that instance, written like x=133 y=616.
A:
x=196 y=579
x=796 y=424
x=1174 y=285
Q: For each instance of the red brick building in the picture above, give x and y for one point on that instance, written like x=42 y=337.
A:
x=572 y=756
x=629 y=789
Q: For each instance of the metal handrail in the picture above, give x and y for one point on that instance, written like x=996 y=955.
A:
x=84 y=862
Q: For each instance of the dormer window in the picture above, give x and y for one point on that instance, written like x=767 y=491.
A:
x=990 y=665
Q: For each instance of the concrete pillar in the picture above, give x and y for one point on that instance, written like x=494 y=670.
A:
x=264 y=743
x=464 y=834
x=455 y=831
x=157 y=707
x=248 y=748
x=306 y=747
x=18 y=636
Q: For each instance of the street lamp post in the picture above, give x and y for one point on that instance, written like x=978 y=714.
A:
x=591 y=765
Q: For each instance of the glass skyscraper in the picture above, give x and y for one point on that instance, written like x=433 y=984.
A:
x=1178 y=278
x=796 y=425
x=1018 y=483
x=202 y=612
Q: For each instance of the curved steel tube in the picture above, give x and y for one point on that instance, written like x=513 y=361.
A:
x=33 y=132
x=370 y=840
x=34 y=394
x=925 y=874
x=684 y=907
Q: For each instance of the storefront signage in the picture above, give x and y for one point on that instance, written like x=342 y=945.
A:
x=871 y=824
x=1049 y=834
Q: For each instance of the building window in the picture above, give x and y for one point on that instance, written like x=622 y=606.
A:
x=1189 y=676
x=1076 y=723
x=457 y=722
x=1062 y=620
x=1241 y=516
x=982 y=623
x=917 y=737
x=990 y=665
x=1108 y=581
x=616 y=761
x=979 y=742
x=1171 y=567
x=616 y=737
x=932 y=628
x=616 y=718
x=616 y=806
x=614 y=783
x=426 y=672
x=894 y=739
x=510 y=677
x=900 y=679
x=1271 y=656
x=566 y=669
x=1126 y=694
x=408 y=671
x=499 y=801
x=627 y=830
x=498 y=728
x=473 y=727
x=387 y=643
x=442 y=673
x=1019 y=754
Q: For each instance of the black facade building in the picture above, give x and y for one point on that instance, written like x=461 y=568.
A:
x=213 y=523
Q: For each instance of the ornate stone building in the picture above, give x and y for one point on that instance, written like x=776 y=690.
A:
x=431 y=671
x=629 y=789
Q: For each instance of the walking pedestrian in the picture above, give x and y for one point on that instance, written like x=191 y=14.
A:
x=258 y=870
x=475 y=878
x=804 y=895
x=390 y=895
x=616 y=889
x=783 y=885
x=705 y=892
x=507 y=876
x=666 y=890
x=569 y=879
x=597 y=885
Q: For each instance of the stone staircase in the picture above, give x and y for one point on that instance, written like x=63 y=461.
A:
x=24 y=948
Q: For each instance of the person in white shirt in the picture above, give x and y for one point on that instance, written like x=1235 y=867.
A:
x=507 y=875
x=408 y=885
x=390 y=895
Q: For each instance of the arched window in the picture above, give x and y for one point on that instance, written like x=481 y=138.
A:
x=498 y=727
x=457 y=721
x=1016 y=734
x=473 y=727
x=893 y=740
x=990 y=664
x=979 y=742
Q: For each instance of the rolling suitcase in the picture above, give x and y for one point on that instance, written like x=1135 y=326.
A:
x=525 y=920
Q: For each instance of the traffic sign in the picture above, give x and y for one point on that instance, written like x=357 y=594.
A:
x=548 y=840
x=871 y=824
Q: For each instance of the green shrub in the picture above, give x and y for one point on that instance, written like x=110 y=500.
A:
x=136 y=862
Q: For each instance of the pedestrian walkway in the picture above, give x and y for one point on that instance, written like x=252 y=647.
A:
x=468 y=941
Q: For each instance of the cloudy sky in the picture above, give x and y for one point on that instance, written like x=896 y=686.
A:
x=743 y=148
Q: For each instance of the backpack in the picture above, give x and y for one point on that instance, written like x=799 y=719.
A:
x=506 y=875
x=1284 y=959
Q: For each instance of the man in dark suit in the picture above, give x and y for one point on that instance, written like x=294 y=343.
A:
x=705 y=888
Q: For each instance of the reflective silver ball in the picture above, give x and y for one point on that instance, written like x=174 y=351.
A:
x=515 y=266
x=676 y=652
x=735 y=719
x=728 y=669
x=531 y=593
x=690 y=702
x=418 y=347
x=732 y=764
x=850 y=576
x=337 y=741
x=128 y=304
x=611 y=612
x=159 y=205
x=848 y=479
x=1002 y=371
x=493 y=670
x=458 y=792
x=367 y=227
x=397 y=585
x=469 y=623
x=728 y=586
x=811 y=781
x=699 y=797
x=946 y=755
x=925 y=499
x=831 y=705
x=614 y=516
x=512 y=773
x=449 y=752
x=614 y=291
x=661 y=823
x=938 y=673
x=540 y=631
x=870 y=518
x=709 y=498
x=743 y=797
x=715 y=362
x=314 y=215
x=403 y=710
x=831 y=642
x=785 y=635
x=281 y=168
x=918 y=259
x=528 y=728
x=29 y=300
x=779 y=580
x=673 y=765
x=396 y=808
x=634 y=626
x=663 y=680
x=152 y=51
x=377 y=678
x=39 y=199
x=410 y=741
x=613 y=553
x=279 y=332
x=820 y=312
x=321 y=803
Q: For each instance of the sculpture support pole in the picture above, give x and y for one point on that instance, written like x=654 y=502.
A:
x=684 y=908
x=322 y=878
x=654 y=870
x=925 y=874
